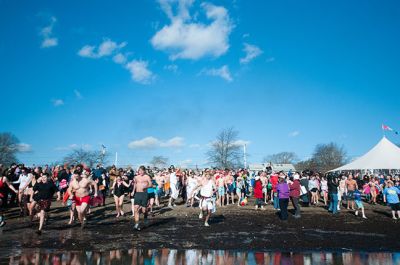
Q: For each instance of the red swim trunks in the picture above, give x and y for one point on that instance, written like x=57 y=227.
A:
x=78 y=200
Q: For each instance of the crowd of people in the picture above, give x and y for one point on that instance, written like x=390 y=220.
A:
x=80 y=188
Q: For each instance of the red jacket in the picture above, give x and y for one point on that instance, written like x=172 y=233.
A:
x=294 y=189
x=258 y=194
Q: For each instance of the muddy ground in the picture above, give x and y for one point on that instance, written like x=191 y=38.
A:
x=232 y=227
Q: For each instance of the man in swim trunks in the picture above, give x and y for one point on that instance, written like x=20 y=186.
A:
x=80 y=190
x=230 y=190
x=221 y=183
x=351 y=186
x=142 y=183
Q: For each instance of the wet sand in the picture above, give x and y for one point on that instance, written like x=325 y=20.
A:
x=232 y=228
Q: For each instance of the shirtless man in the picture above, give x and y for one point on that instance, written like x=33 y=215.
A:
x=79 y=191
x=221 y=183
x=230 y=191
x=206 y=192
x=142 y=182
x=351 y=186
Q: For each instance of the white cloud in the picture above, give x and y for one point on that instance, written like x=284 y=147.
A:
x=119 y=58
x=106 y=48
x=24 y=148
x=49 y=42
x=73 y=146
x=87 y=51
x=171 y=67
x=251 y=51
x=294 y=134
x=185 y=38
x=57 y=102
x=78 y=94
x=173 y=142
x=140 y=72
x=152 y=142
x=47 y=34
x=138 y=68
x=222 y=72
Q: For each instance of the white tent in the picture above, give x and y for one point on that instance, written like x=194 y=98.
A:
x=384 y=155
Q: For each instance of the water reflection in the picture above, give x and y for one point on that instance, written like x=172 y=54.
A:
x=204 y=257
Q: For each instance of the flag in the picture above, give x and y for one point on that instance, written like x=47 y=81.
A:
x=386 y=128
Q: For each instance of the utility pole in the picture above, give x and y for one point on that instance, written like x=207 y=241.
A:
x=116 y=159
x=244 y=156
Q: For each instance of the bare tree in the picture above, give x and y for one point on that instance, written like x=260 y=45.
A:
x=329 y=156
x=82 y=156
x=159 y=161
x=9 y=147
x=325 y=157
x=225 y=152
x=282 y=158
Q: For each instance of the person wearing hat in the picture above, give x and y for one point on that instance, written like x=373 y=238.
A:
x=283 y=196
x=258 y=193
x=294 y=187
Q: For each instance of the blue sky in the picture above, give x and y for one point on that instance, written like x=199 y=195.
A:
x=149 y=78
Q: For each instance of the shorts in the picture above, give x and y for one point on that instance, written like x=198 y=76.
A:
x=207 y=203
x=159 y=192
x=230 y=189
x=44 y=205
x=221 y=191
x=395 y=206
x=141 y=199
x=174 y=191
x=151 y=195
x=314 y=190
x=359 y=204
x=79 y=200
x=350 y=195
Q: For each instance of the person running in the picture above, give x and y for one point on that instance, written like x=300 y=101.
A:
x=4 y=183
x=391 y=196
x=206 y=203
x=190 y=188
x=142 y=183
x=160 y=180
x=43 y=193
x=351 y=186
x=358 y=202
x=24 y=180
x=80 y=193
x=119 y=194
x=151 y=192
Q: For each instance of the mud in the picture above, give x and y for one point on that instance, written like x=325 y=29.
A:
x=232 y=228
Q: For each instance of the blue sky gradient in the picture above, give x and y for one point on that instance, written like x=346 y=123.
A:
x=321 y=71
